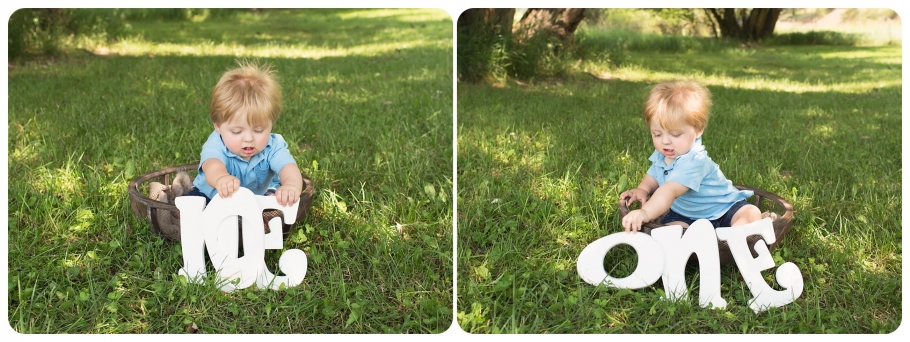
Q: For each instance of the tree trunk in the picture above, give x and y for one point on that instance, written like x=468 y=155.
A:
x=488 y=22
x=559 y=23
x=727 y=23
x=711 y=21
x=761 y=22
x=749 y=25
x=480 y=30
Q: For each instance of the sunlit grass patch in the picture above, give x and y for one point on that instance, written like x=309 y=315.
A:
x=408 y=15
x=63 y=182
x=25 y=143
x=865 y=33
x=765 y=69
x=137 y=46
x=279 y=34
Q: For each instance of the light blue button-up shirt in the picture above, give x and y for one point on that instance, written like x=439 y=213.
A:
x=259 y=174
x=710 y=194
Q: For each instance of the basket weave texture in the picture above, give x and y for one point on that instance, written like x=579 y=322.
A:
x=764 y=200
x=146 y=208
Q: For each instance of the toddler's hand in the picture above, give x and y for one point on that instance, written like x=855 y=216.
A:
x=287 y=195
x=637 y=194
x=226 y=185
x=634 y=219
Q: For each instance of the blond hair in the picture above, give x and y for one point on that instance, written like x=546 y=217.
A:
x=250 y=89
x=677 y=103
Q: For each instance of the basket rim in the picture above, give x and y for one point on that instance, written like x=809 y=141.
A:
x=136 y=195
x=761 y=193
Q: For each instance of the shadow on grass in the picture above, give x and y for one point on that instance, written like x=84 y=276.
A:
x=299 y=27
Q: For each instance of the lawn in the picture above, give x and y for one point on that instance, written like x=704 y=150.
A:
x=541 y=165
x=367 y=113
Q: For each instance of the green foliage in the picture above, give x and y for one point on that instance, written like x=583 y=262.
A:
x=684 y=21
x=664 y=21
x=628 y=19
x=481 y=55
x=814 y=38
x=181 y=14
x=598 y=49
x=47 y=32
x=539 y=56
x=805 y=14
x=614 y=46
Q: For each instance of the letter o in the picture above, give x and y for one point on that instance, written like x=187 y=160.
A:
x=650 y=261
x=246 y=268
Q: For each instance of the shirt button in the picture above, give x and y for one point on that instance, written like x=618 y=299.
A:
x=666 y=172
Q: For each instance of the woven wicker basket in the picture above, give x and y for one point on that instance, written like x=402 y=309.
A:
x=765 y=201
x=146 y=208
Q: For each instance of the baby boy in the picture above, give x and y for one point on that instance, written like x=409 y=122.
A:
x=682 y=180
x=243 y=151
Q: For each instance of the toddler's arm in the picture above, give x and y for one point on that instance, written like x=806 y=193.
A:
x=291 y=185
x=645 y=188
x=217 y=176
x=659 y=203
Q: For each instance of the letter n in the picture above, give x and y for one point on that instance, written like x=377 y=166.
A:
x=701 y=240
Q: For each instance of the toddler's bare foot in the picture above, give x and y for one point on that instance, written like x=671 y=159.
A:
x=770 y=214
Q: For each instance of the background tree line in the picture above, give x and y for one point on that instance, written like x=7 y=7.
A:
x=496 y=43
x=42 y=32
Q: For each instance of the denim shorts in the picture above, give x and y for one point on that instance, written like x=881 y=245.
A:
x=723 y=221
x=196 y=192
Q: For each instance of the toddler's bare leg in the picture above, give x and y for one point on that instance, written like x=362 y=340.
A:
x=745 y=215
x=675 y=223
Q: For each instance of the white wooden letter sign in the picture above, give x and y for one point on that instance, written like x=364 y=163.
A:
x=664 y=254
x=215 y=229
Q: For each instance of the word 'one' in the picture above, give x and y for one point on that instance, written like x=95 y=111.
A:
x=664 y=254
x=214 y=228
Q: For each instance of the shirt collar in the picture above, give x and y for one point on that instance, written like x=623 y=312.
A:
x=658 y=157
x=697 y=147
x=230 y=154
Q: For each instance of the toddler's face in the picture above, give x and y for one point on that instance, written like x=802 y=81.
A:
x=243 y=139
x=675 y=142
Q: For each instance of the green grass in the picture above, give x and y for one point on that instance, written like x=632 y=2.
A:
x=540 y=168
x=863 y=33
x=367 y=112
